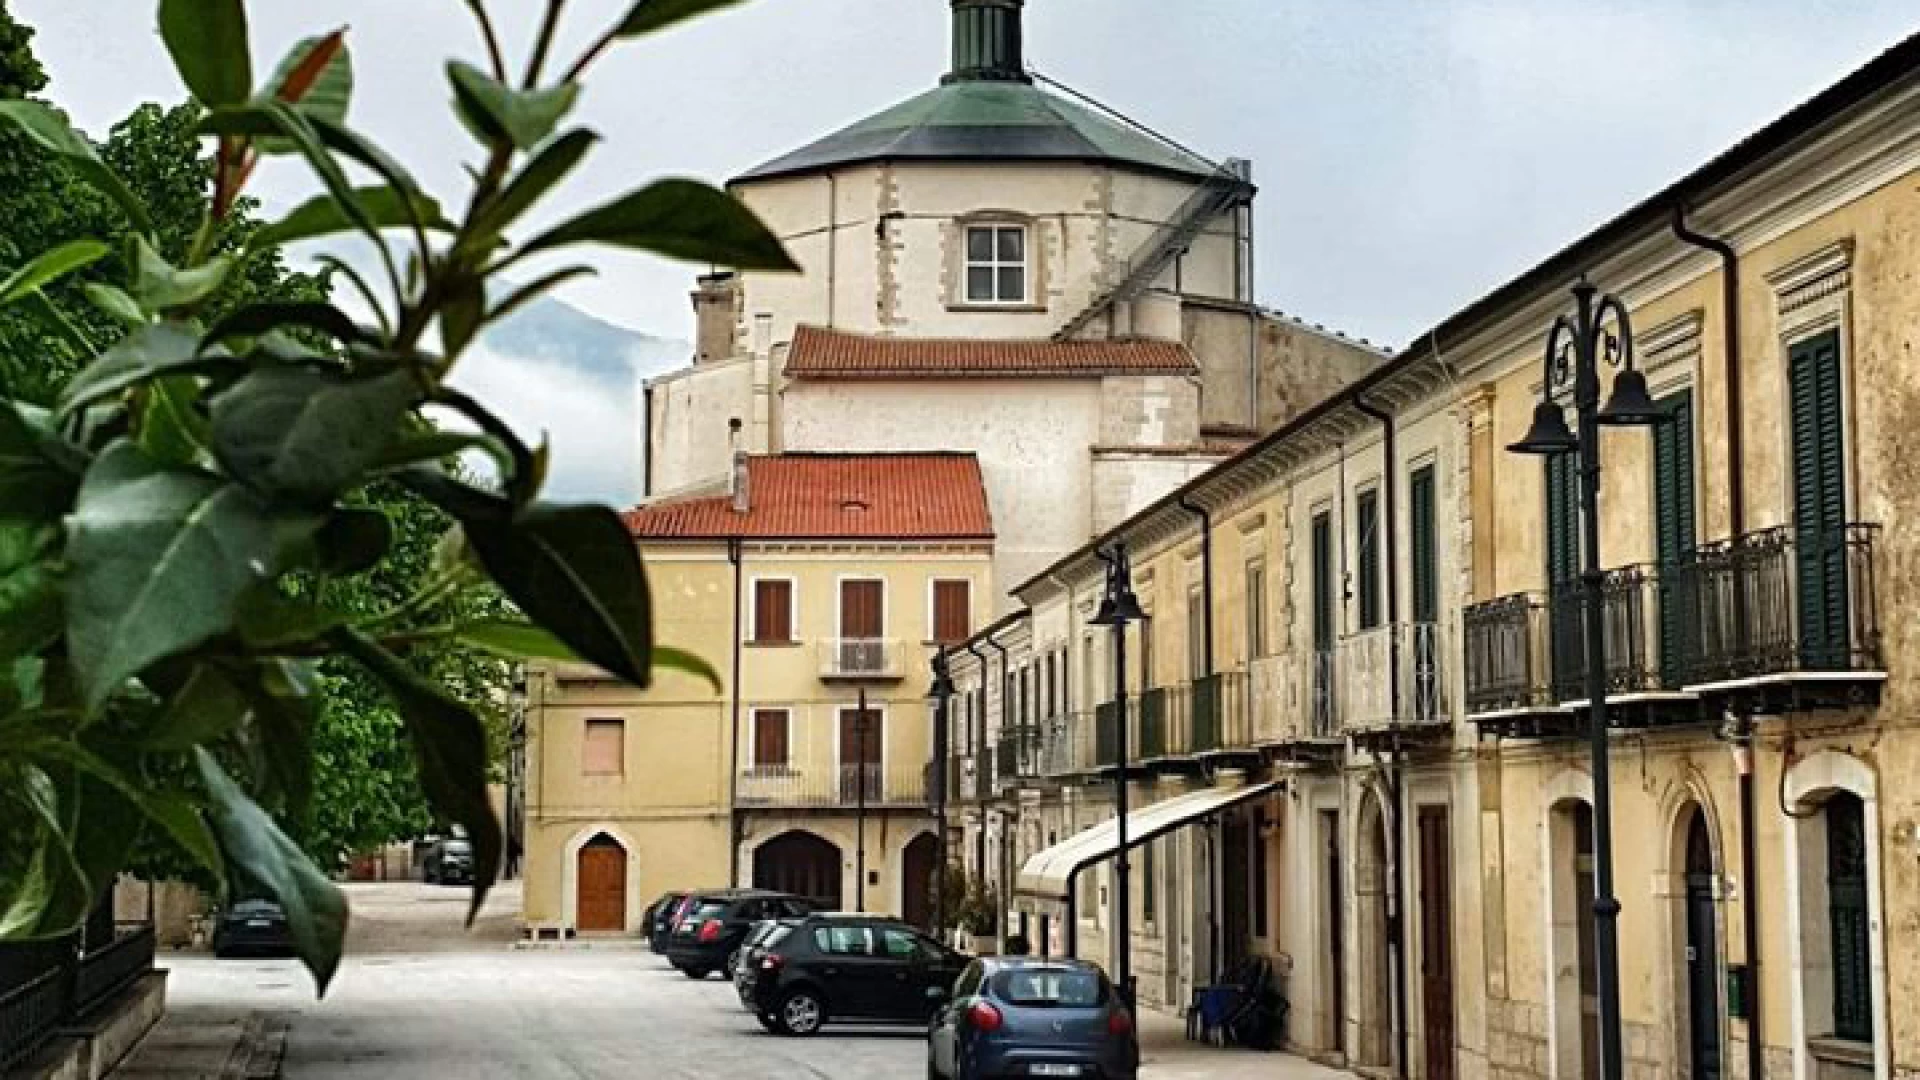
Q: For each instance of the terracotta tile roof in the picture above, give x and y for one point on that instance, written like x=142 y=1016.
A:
x=822 y=353
x=925 y=496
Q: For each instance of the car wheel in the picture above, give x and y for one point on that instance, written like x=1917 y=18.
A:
x=802 y=1013
x=694 y=973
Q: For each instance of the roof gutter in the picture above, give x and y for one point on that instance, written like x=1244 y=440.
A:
x=1729 y=363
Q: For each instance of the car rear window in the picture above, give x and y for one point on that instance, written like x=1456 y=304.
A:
x=710 y=909
x=1050 y=987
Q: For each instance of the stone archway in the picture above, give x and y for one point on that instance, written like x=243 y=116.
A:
x=801 y=863
x=600 y=891
x=1694 y=898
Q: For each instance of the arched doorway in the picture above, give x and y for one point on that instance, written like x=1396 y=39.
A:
x=1373 y=970
x=917 y=866
x=801 y=863
x=601 y=895
x=1576 y=1002
x=1702 y=956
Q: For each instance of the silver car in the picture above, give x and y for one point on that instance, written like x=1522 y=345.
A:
x=1021 y=1016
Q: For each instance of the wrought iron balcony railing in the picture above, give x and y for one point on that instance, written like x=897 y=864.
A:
x=1058 y=756
x=1390 y=676
x=840 y=786
x=1507 y=654
x=1783 y=600
x=862 y=658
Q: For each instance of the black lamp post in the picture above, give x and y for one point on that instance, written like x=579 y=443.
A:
x=1598 y=330
x=940 y=692
x=860 y=721
x=1118 y=607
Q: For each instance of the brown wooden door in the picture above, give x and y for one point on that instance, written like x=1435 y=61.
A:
x=921 y=860
x=862 y=624
x=602 y=886
x=860 y=755
x=1436 y=941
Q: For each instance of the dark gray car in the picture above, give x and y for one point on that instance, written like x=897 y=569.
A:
x=1022 y=1016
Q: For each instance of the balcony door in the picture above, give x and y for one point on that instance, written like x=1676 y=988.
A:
x=863 y=623
x=1674 y=534
x=860 y=755
x=1819 y=501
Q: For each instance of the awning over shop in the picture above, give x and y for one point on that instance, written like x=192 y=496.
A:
x=1047 y=876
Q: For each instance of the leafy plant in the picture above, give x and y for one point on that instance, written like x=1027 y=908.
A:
x=173 y=524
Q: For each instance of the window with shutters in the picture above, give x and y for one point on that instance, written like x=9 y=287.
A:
x=772 y=732
x=1847 y=917
x=772 y=611
x=952 y=611
x=603 y=748
x=1256 y=604
x=1819 y=500
x=1323 y=621
x=1674 y=533
x=1366 y=519
x=1423 y=522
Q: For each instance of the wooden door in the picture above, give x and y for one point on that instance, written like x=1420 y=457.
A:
x=1234 y=891
x=1703 y=954
x=863 y=623
x=860 y=756
x=1336 y=928
x=1436 y=941
x=918 y=865
x=602 y=886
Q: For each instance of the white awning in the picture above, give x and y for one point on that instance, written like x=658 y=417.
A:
x=1046 y=877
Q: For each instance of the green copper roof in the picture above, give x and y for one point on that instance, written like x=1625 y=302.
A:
x=973 y=120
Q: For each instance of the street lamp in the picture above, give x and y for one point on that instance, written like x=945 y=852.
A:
x=1597 y=330
x=861 y=764
x=939 y=693
x=1118 y=607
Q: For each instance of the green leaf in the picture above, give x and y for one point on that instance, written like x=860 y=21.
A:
x=450 y=745
x=535 y=289
x=279 y=726
x=317 y=78
x=114 y=302
x=208 y=42
x=171 y=426
x=31 y=616
x=275 y=118
x=159 y=560
x=548 y=167
x=159 y=285
x=316 y=909
x=464 y=308
x=647 y=16
x=33 y=487
x=357 y=147
x=665 y=656
x=255 y=320
x=50 y=129
x=681 y=219
x=305 y=436
x=49 y=267
x=170 y=810
x=204 y=710
x=493 y=111
x=353 y=541
x=266 y=620
x=513 y=639
x=432 y=445
x=386 y=207
x=51 y=900
x=153 y=351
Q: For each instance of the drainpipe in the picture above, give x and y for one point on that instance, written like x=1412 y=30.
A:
x=734 y=556
x=984 y=787
x=978 y=739
x=1736 y=525
x=1185 y=502
x=1396 y=881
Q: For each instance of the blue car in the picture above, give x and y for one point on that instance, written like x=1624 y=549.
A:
x=1021 y=1016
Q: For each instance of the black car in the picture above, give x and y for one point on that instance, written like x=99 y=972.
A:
x=450 y=862
x=765 y=934
x=713 y=926
x=659 y=920
x=835 y=968
x=252 y=928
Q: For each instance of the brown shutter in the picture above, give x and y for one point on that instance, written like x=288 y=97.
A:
x=860 y=610
x=603 y=749
x=770 y=738
x=772 y=612
x=952 y=611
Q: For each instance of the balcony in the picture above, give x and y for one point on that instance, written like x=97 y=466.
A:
x=1150 y=725
x=837 y=788
x=1389 y=683
x=1059 y=755
x=1106 y=736
x=1274 y=711
x=862 y=660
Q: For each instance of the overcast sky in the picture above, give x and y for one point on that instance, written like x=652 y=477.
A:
x=1412 y=153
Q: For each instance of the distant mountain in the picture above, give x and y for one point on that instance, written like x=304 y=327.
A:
x=555 y=370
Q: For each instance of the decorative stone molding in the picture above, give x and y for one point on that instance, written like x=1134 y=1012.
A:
x=1674 y=344
x=1810 y=293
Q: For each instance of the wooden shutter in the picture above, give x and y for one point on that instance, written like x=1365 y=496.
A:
x=1674 y=539
x=862 y=616
x=1323 y=580
x=1422 y=512
x=1847 y=915
x=1367 y=521
x=1563 y=518
x=1819 y=501
x=952 y=611
x=772 y=612
x=603 y=748
x=770 y=748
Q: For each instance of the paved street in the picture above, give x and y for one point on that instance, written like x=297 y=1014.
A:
x=419 y=996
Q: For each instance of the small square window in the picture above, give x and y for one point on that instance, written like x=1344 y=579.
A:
x=996 y=264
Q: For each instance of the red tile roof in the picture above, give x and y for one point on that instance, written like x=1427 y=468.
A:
x=927 y=496
x=821 y=353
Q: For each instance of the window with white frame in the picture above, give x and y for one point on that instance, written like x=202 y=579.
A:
x=996 y=268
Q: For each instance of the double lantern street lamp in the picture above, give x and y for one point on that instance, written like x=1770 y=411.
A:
x=1118 y=607
x=1597 y=330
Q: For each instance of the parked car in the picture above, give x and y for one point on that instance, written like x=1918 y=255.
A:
x=1019 y=1016
x=714 y=924
x=660 y=920
x=765 y=934
x=449 y=862
x=252 y=928
x=835 y=968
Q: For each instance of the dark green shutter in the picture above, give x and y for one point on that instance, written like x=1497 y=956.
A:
x=1367 y=520
x=1819 y=501
x=1426 y=569
x=1847 y=918
x=1323 y=580
x=1673 y=508
x=1563 y=575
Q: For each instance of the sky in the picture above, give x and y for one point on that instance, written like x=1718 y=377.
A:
x=1412 y=154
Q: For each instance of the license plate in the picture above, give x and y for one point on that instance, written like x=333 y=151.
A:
x=258 y=924
x=1053 y=1070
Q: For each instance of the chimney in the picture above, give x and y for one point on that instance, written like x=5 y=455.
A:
x=986 y=42
x=713 y=317
x=737 y=479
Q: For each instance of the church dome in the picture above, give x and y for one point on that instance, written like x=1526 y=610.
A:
x=987 y=109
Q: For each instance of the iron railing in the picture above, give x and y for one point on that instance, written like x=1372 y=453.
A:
x=1323 y=719
x=1507 y=654
x=841 y=785
x=1783 y=600
x=1390 y=676
x=1058 y=756
x=1643 y=650
x=105 y=971
x=32 y=1011
x=862 y=658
